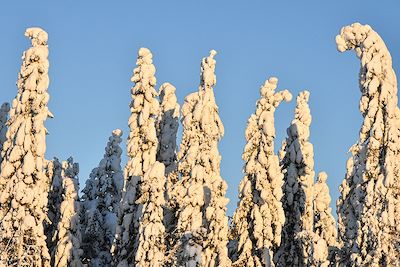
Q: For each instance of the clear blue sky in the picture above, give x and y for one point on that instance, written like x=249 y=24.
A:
x=93 y=47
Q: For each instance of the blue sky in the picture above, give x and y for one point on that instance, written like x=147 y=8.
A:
x=93 y=47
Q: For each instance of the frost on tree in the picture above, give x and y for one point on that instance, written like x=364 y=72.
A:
x=23 y=182
x=4 y=109
x=369 y=205
x=298 y=167
x=100 y=201
x=325 y=239
x=259 y=217
x=202 y=227
x=167 y=133
x=67 y=238
x=133 y=246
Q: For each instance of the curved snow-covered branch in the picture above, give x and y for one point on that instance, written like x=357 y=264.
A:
x=23 y=183
x=368 y=207
x=259 y=217
x=202 y=227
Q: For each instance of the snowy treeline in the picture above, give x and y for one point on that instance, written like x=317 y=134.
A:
x=167 y=206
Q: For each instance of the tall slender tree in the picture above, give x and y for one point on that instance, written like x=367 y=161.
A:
x=325 y=240
x=23 y=183
x=259 y=217
x=167 y=134
x=202 y=227
x=4 y=109
x=67 y=237
x=54 y=171
x=131 y=247
x=298 y=165
x=100 y=201
x=369 y=204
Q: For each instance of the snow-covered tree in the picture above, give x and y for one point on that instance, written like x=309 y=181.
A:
x=23 y=182
x=53 y=170
x=150 y=245
x=101 y=198
x=167 y=129
x=67 y=251
x=134 y=246
x=202 y=227
x=325 y=239
x=259 y=217
x=369 y=205
x=298 y=167
x=4 y=109
x=167 y=133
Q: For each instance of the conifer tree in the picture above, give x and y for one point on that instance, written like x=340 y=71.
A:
x=202 y=227
x=325 y=240
x=298 y=164
x=167 y=134
x=101 y=198
x=67 y=238
x=133 y=246
x=259 y=217
x=4 y=109
x=369 y=205
x=23 y=182
x=53 y=170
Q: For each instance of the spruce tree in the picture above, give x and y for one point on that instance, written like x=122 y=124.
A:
x=67 y=238
x=202 y=227
x=259 y=217
x=298 y=164
x=134 y=246
x=23 y=182
x=167 y=134
x=325 y=239
x=369 y=204
x=54 y=171
x=100 y=201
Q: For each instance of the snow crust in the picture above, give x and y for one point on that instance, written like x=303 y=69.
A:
x=202 y=227
x=259 y=217
x=369 y=205
x=23 y=183
x=100 y=202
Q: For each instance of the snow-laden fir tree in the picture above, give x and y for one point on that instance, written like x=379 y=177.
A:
x=67 y=238
x=100 y=201
x=53 y=170
x=23 y=182
x=298 y=166
x=139 y=234
x=259 y=217
x=167 y=133
x=369 y=205
x=325 y=238
x=168 y=128
x=4 y=109
x=202 y=227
